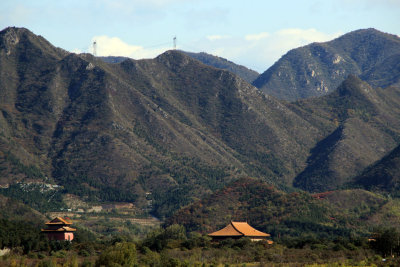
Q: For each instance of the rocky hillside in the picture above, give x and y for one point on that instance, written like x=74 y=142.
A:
x=170 y=125
x=172 y=129
x=319 y=68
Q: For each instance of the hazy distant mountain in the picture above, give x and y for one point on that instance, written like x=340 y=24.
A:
x=222 y=63
x=319 y=68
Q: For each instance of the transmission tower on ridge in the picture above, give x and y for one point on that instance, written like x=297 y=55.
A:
x=94 y=48
x=174 y=42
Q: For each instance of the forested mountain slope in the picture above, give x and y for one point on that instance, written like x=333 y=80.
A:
x=174 y=127
x=170 y=125
x=368 y=127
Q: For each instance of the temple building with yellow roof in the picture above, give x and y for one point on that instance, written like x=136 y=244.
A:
x=59 y=229
x=238 y=230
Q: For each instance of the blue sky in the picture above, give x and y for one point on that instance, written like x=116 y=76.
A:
x=253 y=33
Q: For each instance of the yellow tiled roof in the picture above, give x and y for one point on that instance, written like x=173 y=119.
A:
x=61 y=229
x=239 y=229
x=58 y=220
x=228 y=230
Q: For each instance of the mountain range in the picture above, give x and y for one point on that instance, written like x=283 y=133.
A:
x=177 y=129
x=319 y=68
x=115 y=131
x=207 y=59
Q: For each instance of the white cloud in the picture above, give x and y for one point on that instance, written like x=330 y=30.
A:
x=113 y=46
x=305 y=35
x=76 y=51
x=286 y=39
x=260 y=50
x=280 y=42
x=257 y=51
x=257 y=37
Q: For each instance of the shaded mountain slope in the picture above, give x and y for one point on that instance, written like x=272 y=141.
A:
x=368 y=127
x=384 y=175
x=28 y=109
x=14 y=210
x=228 y=125
x=384 y=74
x=319 y=68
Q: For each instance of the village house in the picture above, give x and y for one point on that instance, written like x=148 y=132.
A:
x=240 y=229
x=58 y=229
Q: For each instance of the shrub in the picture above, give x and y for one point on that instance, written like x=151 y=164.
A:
x=121 y=254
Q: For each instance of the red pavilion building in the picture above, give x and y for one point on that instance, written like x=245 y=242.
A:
x=59 y=229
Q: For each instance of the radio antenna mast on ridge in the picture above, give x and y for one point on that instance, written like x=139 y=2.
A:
x=175 y=43
x=94 y=48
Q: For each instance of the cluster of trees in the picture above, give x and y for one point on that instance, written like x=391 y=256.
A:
x=121 y=254
x=101 y=193
x=26 y=237
x=173 y=246
x=21 y=234
x=30 y=171
x=36 y=196
x=386 y=241
x=267 y=208
x=166 y=202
